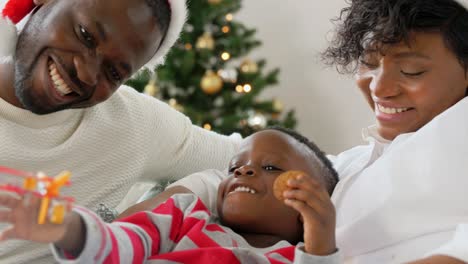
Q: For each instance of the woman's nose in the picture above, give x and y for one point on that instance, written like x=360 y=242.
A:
x=383 y=83
x=245 y=170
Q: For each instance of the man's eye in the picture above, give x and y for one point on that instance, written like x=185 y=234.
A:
x=114 y=74
x=270 y=168
x=88 y=39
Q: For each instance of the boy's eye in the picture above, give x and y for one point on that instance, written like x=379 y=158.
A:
x=88 y=39
x=270 y=168
x=232 y=169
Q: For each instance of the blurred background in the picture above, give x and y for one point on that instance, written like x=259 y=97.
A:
x=329 y=107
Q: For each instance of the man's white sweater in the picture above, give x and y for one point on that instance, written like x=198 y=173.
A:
x=130 y=137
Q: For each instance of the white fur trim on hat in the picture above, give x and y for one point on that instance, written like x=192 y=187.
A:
x=178 y=18
x=463 y=3
x=8 y=35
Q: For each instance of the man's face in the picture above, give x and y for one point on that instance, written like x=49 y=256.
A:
x=408 y=85
x=246 y=202
x=75 y=54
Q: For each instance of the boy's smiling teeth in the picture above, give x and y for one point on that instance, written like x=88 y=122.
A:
x=244 y=189
x=389 y=110
x=58 y=81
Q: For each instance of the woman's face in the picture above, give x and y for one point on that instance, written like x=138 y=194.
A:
x=408 y=85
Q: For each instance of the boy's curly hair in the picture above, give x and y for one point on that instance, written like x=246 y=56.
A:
x=373 y=23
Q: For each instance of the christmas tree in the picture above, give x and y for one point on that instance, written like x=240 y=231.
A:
x=208 y=77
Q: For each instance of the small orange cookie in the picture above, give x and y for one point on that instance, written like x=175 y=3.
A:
x=280 y=184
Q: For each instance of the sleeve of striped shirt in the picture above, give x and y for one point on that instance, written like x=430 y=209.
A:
x=132 y=239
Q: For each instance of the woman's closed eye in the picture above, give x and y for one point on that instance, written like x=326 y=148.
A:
x=412 y=74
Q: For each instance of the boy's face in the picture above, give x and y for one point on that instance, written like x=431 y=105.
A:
x=92 y=45
x=245 y=199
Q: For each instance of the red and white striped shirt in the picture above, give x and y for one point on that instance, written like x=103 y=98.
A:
x=181 y=230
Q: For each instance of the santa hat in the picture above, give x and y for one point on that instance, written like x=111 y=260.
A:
x=15 y=10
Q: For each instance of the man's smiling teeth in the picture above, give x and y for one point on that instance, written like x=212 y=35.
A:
x=244 y=189
x=388 y=110
x=58 y=81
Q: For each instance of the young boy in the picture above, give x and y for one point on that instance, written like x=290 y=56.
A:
x=253 y=226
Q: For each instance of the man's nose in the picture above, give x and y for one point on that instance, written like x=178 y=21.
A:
x=245 y=170
x=87 y=68
x=384 y=83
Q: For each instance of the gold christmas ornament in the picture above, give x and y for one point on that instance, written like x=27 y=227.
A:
x=214 y=2
x=205 y=41
x=211 y=83
x=249 y=66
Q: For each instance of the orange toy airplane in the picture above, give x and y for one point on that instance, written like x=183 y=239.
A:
x=48 y=188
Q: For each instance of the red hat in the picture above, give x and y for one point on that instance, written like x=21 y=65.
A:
x=15 y=10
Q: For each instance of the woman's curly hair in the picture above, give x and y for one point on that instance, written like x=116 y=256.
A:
x=373 y=23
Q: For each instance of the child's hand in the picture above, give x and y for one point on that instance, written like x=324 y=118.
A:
x=22 y=212
x=312 y=200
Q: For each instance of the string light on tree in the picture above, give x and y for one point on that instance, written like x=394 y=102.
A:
x=257 y=121
x=249 y=66
x=247 y=88
x=239 y=88
x=225 y=29
x=229 y=17
x=188 y=46
x=207 y=126
x=278 y=106
x=211 y=83
x=225 y=56
x=205 y=41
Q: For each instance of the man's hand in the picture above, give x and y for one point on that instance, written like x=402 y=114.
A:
x=311 y=199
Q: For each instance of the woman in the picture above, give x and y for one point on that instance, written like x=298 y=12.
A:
x=401 y=197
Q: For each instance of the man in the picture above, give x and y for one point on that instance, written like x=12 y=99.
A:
x=63 y=105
